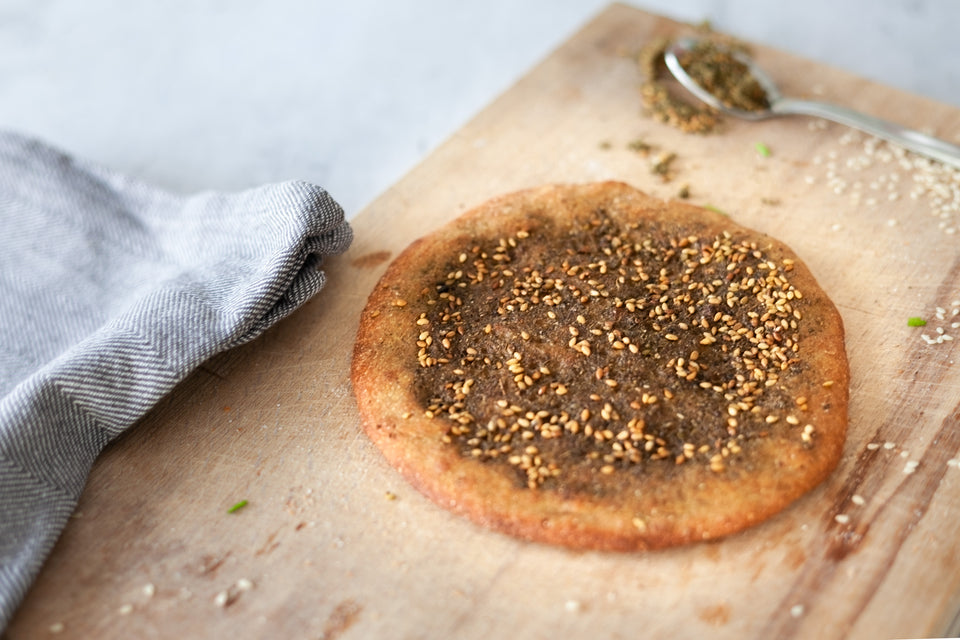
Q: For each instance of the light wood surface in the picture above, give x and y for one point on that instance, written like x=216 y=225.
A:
x=334 y=544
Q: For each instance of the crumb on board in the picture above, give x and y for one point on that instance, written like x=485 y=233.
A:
x=229 y=595
x=572 y=606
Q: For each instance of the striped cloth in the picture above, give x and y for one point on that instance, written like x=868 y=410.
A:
x=111 y=292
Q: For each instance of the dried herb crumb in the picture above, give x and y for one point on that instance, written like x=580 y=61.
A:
x=660 y=103
x=714 y=65
x=661 y=165
x=710 y=207
x=236 y=507
x=916 y=321
x=762 y=149
x=716 y=68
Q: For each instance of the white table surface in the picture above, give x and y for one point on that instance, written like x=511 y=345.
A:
x=195 y=95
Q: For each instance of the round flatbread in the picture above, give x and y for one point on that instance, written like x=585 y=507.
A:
x=588 y=366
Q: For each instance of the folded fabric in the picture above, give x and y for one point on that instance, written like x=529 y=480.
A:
x=111 y=292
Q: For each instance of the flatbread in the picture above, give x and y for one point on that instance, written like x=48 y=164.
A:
x=588 y=366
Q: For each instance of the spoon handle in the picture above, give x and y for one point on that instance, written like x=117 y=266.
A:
x=908 y=138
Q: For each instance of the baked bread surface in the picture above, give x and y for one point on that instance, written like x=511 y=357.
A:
x=588 y=366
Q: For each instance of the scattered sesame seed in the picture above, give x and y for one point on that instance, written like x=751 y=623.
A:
x=880 y=166
x=571 y=606
x=149 y=590
x=56 y=627
x=858 y=500
x=911 y=466
x=796 y=610
x=842 y=518
x=125 y=609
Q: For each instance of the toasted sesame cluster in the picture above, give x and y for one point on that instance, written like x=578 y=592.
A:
x=609 y=348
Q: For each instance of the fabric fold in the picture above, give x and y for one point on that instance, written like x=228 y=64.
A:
x=112 y=292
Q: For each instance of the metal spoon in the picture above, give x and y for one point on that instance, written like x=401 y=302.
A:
x=781 y=106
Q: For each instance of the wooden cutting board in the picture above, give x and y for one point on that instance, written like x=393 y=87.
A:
x=333 y=543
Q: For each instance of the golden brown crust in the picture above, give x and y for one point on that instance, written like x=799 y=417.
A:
x=765 y=456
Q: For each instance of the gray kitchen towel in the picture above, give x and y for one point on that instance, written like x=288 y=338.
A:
x=111 y=292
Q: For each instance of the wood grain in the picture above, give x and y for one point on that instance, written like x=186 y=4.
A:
x=336 y=545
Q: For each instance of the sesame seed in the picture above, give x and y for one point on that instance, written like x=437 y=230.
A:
x=749 y=297
x=842 y=518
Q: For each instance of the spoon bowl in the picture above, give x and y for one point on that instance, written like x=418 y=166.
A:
x=779 y=105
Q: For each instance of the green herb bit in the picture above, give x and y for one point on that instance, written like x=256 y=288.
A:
x=710 y=207
x=762 y=149
x=238 y=506
x=916 y=322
